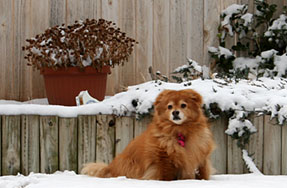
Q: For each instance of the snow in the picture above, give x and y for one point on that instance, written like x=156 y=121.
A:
x=71 y=180
x=247 y=19
x=278 y=24
x=264 y=94
x=250 y=164
x=228 y=13
x=244 y=62
x=220 y=51
x=280 y=64
x=239 y=126
x=268 y=54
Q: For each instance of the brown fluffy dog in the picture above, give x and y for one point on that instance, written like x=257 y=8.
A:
x=176 y=145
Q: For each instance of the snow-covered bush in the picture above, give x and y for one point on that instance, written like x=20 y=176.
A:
x=85 y=43
x=260 y=49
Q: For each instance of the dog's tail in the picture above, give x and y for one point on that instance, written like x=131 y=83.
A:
x=95 y=169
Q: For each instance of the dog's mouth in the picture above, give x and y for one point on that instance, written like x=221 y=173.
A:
x=176 y=118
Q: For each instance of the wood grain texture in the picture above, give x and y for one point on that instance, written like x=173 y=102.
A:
x=141 y=125
x=235 y=163
x=124 y=133
x=58 y=12
x=23 y=29
x=144 y=35
x=87 y=129
x=219 y=155
x=194 y=24
x=161 y=35
x=11 y=142
x=39 y=23
x=272 y=147
x=68 y=144
x=49 y=144
x=30 y=144
x=178 y=34
x=127 y=14
x=9 y=76
x=105 y=138
x=110 y=11
x=211 y=21
x=80 y=10
x=255 y=146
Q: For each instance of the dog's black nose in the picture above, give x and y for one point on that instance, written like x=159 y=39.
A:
x=175 y=113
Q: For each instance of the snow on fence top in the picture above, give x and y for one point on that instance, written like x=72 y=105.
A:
x=262 y=95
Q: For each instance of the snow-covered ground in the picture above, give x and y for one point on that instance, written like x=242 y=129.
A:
x=69 y=179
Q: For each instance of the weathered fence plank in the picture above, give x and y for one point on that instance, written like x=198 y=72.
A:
x=11 y=142
x=178 y=34
x=30 y=144
x=87 y=136
x=272 y=147
x=124 y=133
x=39 y=12
x=110 y=11
x=284 y=150
x=235 y=163
x=194 y=24
x=219 y=156
x=68 y=144
x=105 y=138
x=255 y=146
x=49 y=144
x=161 y=36
x=9 y=76
x=141 y=125
x=79 y=10
x=144 y=34
x=57 y=12
x=211 y=12
x=127 y=72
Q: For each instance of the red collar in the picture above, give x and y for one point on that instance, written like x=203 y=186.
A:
x=180 y=139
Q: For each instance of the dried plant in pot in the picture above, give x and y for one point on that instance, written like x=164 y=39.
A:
x=78 y=57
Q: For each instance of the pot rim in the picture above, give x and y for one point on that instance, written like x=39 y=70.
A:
x=75 y=70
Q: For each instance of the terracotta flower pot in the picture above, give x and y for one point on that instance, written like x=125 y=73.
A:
x=64 y=84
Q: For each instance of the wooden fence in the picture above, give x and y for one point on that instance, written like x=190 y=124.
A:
x=31 y=143
x=168 y=31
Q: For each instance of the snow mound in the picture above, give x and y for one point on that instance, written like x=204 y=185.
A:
x=71 y=180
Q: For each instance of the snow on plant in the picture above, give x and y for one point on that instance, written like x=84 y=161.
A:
x=261 y=40
x=85 y=43
x=240 y=128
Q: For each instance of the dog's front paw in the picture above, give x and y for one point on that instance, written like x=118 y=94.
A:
x=93 y=169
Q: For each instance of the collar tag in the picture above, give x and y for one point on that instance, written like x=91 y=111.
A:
x=181 y=139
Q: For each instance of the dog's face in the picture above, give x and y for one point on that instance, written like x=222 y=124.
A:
x=178 y=106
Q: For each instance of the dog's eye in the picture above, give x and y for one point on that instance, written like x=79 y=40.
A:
x=183 y=105
x=169 y=106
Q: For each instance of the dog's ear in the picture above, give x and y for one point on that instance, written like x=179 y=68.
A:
x=196 y=97
x=160 y=96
